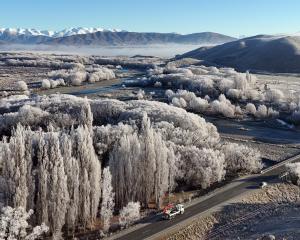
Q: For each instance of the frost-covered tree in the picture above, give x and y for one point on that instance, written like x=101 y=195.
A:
x=274 y=95
x=198 y=105
x=223 y=106
x=162 y=169
x=100 y=74
x=250 y=108
x=202 y=167
x=148 y=159
x=173 y=171
x=130 y=213
x=241 y=158
x=77 y=77
x=141 y=94
x=262 y=111
x=234 y=93
x=43 y=175
x=14 y=225
x=16 y=167
x=186 y=99
x=272 y=113
x=293 y=170
x=90 y=174
x=46 y=84
x=22 y=86
x=107 y=204
x=179 y=102
x=52 y=188
x=71 y=166
x=84 y=210
x=125 y=164
x=58 y=195
x=139 y=165
x=86 y=116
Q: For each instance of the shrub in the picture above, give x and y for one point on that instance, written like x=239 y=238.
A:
x=22 y=86
x=129 y=213
x=46 y=84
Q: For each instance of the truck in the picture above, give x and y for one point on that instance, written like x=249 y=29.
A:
x=171 y=210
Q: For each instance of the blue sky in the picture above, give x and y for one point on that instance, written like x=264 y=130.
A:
x=232 y=17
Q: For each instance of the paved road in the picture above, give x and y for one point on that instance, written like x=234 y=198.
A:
x=246 y=184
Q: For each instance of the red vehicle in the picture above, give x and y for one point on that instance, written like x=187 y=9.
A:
x=170 y=211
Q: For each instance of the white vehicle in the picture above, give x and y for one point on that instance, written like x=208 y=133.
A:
x=263 y=184
x=171 y=211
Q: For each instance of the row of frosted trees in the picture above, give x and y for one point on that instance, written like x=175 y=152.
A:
x=58 y=174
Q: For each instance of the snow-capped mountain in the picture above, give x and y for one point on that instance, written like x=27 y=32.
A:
x=30 y=32
x=82 y=30
x=105 y=37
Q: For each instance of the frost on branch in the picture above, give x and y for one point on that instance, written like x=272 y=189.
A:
x=14 y=225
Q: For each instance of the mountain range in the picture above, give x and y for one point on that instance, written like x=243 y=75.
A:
x=105 y=37
x=54 y=34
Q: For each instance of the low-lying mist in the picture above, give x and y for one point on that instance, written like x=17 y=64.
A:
x=160 y=50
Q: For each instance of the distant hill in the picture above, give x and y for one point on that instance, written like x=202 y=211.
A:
x=99 y=36
x=279 y=54
x=137 y=38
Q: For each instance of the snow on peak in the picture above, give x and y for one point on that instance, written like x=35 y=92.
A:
x=54 y=34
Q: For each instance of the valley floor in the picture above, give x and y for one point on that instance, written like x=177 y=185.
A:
x=273 y=210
